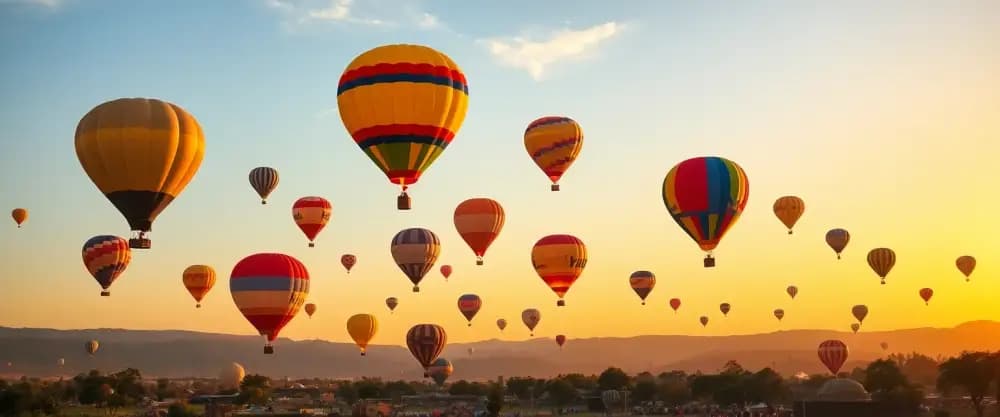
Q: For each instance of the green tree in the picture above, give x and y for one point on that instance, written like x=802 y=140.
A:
x=368 y=388
x=520 y=387
x=348 y=392
x=494 y=400
x=644 y=390
x=674 y=389
x=180 y=410
x=971 y=371
x=561 y=392
x=612 y=379
x=920 y=369
x=580 y=381
x=883 y=375
x=397 y=389
x=765 y=386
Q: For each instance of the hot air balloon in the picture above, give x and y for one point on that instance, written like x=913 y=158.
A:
x=884 y=345
x=675 y=303
x=106 y=257
x=860 y=311
x=724 y=308
x=348 y=261
x=470 y=350
x=705 y=196
x=882 y=260
x=446 y=271
x=199 y=280
x=792 y=291
x=19 y=215
x=391 y=302
x=61 y=361
x=642 y=283
x=91 y=347
x=833 y=354
x=501 y=324
x=837 y=239
x=426 y=341
x=415 y=251
x=230 y=376
x=926 y=294
x=311 y=214
x=789 y=209
x=560 y=340
x=531 y=317
x=855 y=327
x=469 y=305
x=310 y=309
x=440 y=370
x=140 y=153
x=966 y=264
x=553 y=142
x=479 y=221
x=403 y=105
x=269 y=289
x=779 y=314
x=559 y=260
x=703 y=320
x=362 y=328
x=264 y=180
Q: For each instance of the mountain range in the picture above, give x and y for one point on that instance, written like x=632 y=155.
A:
x=177 y=354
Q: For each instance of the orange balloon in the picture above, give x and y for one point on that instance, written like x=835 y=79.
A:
x=199 y=280
x=479 y=221
x=19 y=215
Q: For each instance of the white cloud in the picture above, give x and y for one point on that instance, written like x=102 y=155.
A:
x=535 y=55
x=428 y=21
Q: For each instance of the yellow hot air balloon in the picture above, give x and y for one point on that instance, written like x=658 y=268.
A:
x=966 y=264
x=362 y=328
x=789 y=209
x=403 y=105
x=199 y=279
x=232 y=375
x=553 y=142
x=140 y=153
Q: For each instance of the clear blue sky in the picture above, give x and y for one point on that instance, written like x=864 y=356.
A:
x=833 y=102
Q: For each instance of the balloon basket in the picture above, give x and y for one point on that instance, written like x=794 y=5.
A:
x=105 y=293
x=555 y=187
x=268 y=350
x=363 y=354
x=312 y=245
x=561 y=303
x=197 y=306
x=403 y=202
x=709 y=262
x=789 y=231
x=479 y=262
x=140 y=243
x=416 y=288
x=262 y=202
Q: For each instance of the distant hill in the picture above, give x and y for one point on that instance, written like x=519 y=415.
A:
x=172 y=353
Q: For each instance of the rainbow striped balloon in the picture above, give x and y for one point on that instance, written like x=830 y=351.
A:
x=106 y=257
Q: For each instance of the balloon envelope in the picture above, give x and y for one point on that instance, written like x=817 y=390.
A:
x=415 y=250
x=311 y=214
x=231 y=375
x=269 y=289
x=530 y=317
x=792 y=291
x=553 y=143
x=479 y=221
x=642 y=282
x=833 y=354
x=860 y=311
x=199 y=280
x=469 y=305
x=19 y=215
x=106 y=258
x=675 y=303
x=362 y=328
x=426 y=342
x=837 y=239
x=348 y=261
x=501 y=324
x=966 y=264
x=882 y=260
x=264 y=180
x=559 y=260
x=440 y=370
x=789 y=209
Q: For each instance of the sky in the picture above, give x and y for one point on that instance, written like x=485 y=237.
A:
x=884 y=117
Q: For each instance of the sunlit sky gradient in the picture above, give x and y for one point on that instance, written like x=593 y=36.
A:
x=884 y=117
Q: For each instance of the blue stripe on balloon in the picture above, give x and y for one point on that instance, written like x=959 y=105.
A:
x=394 y=78
x=264 y=283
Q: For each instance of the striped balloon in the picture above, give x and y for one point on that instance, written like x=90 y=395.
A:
x=469 y=305
x=882 y=260
x=833 y=354
x=837 y=239
x=642 y=283
x=440 y=370
x=264 y=180
x=391 y=302
x=792 y=291
x=403 y=105
x=311 y=214
x=106 y=257
x=426 y=342
x=559 y=260
x=553 y=142
x=789 y=209
x=531 y=317
x=706 y=196
x=415 y=250
x=479 y=221
x=269 y=289
x=199 y=280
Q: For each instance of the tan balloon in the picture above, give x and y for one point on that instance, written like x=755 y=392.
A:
x=789 y=209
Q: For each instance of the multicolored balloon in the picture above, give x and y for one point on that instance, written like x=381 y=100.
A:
x=837 y=239
x=675 y=303
x=311 y=214
x=446 y=271
x=530 y=317
x=926 y=294
x=199 y=280
x=789 y=209
x=391 y=302
x=882 y=260
x=553 y=142
x=19 y=215
x=348 y=261
x=362 y=328
x=706 y=196
x=469 y=305
x=833 y=354
x=560 y=340
x=140 y=153
x=106 y=258
x=479 y=221
x=642 y=282
x=426 y=342
x=779 y=314
x=269 y=289
x=792 y=291
x=403 y=105
x=440 y=370
x=860 y=311
x=310 y=309
x=724 y=308
x=501 y=324
x=966 y=264
x=415 y=250
x=264 y=180
x=559 y=260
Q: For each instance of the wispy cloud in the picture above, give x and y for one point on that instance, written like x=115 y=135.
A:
x=562 y=45
x=338 y=10
x=428 y=21
x=387 y=13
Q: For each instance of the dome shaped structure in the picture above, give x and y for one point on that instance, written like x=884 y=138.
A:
x=842 y=389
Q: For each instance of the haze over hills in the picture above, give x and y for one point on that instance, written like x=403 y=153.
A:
x=171 y=353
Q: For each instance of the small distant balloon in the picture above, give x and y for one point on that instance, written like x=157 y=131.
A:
x=310 y=309
x=724 y=308
x=779 y=314
x=966 y=264
x=675 y=303
x=855 y=327
x=789 y=209
x=837 y=239
x=501 y=324
x=106 y=258
x=264 y=180
x=560 y=340
x=926 y=294
x=91 y=347
x=348 y=261
x=703 y=320
x=19 y=215
x=642 y=282
x=415 y=250
x=469 y=305
x=882 y=260
x=391 y=302
x=531 y=317
x=362 y=328
x=446 y=271
x=553 y=142
x=792 y=291
x=479 y=221
x=199 y=280
x=860 y=311
x=311 y=214
x=833 y=354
